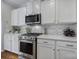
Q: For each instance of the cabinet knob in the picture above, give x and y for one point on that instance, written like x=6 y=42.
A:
x=53 y=49
x=58 y=50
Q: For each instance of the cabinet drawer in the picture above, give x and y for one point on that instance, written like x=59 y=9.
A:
x=46 y=42
x=67 y=44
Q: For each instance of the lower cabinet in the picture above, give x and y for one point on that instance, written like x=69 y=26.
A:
x=66 y=53
x=15 y=44
x=59 y=50
x=45 y=52
x=66 y=50
x=11 y=43
x=7 y=42
x=45 y=49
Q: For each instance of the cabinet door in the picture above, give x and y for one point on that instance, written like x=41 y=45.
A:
x=66 y=11
x=66 y=53
x=36 y=7
x=7 y=42
x=29 y=8
x=48 y=11
x=44 y=52
x=21 y=16
x=14 y=17
x=15 y=44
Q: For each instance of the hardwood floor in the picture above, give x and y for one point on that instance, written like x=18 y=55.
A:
x=8 y=55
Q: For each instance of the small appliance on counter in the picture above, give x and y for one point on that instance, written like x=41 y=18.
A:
x=69 y=32
x=37 y=29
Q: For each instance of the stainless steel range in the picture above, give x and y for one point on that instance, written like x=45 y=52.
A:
x=28 y=46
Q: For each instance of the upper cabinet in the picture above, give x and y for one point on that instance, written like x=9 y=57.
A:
x=66 y=11
x=36 y=7
x=14 y=17
x=48 y=11
x=58 y=11
x=33 y=7
x=29 y=8
x=52 y=11
x=21 y=16
x=18 y=17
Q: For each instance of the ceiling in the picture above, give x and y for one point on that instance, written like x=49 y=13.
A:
x=16 y=3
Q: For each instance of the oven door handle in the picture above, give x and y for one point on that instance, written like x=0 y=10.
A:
x=26 y=39
x=29 y=40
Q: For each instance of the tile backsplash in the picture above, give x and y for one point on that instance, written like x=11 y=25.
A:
x=57 y=29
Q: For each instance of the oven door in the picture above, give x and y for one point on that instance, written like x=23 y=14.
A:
x=26 y=47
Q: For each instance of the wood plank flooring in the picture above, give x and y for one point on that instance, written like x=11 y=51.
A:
x=9 y=55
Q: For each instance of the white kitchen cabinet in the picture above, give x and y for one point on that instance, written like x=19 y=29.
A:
x=45 y=50
x=29 y=8
x=15 y=44
x=14 y=17
x=66 y=11
x=11 y=43
x=18 y=17
x=48 y=11
x=58 y=11
x=51 y=49
x=21 y=16
x=36 y=7
x=33 y=7
x=7 y=42
x=66 y=51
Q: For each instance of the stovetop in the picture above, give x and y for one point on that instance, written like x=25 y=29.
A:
x=32 y=34
x=29 y=36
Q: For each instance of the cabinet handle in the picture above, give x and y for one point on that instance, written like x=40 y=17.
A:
x=45 y=42
x=69 y=45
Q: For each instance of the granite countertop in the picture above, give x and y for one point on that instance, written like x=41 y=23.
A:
x=58 y=38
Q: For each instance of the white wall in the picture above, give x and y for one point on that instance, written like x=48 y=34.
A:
x=6 y=18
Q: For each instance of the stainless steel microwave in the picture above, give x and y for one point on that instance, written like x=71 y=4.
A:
x=33 y=19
